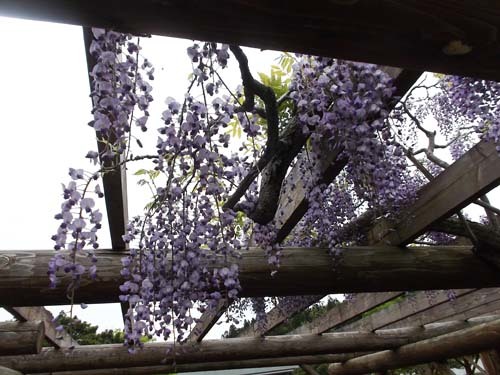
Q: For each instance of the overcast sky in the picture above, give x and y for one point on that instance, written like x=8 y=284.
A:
x=45 y=108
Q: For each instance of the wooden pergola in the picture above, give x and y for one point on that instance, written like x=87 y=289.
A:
x=414 y=35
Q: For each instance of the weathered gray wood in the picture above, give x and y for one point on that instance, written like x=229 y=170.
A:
x=410 y=310
x=278 y=315
x=416 y=34
x=464 y=342
x=21 y=337
x=23 y=274
x=471 y=176
x=8 y=371
x=464 y=307
x=113 y=355
x=207 y=366
x=309 y=369
x=207 y=321
x=293 y=204
x=346 y=311
x=488 y=308
x=115 y=181
x=61 y=339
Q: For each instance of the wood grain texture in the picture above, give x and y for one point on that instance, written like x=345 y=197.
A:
x=208 y=366
x=23 y=274
x=115 y=355
x=345 y=311
x=278 y=315
x=466 y=306
x=207 y=321
x=464 y=342
x=8 y=371
x=18 y=338
x=471 y=176
x=61 y=339
x=115 y=181
x=410 y=310
x=293 y=203
x=413 y=34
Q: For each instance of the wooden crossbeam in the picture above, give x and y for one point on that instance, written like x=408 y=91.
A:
x=60 y=339
x=464 y=342
x=117 y=356
x=293 y=203
x=466 y=179
x=207 y=321
x=406 y=309
x=18 y=338
x=277 y=316
x=8 y=371
x=23 y=274
x=467 y=305
x=346 y=311
x=114 y=181
x=470 y=177
x=445 y=36
x=424 y=310
x=211 y=366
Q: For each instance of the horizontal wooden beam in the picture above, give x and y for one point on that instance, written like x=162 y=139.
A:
x=346 y=311
x=211 y=366
x=23 y=274
x=21 y=337
x=60 y=339
x=278 y=315
x=408 y=310
x=116 y=356
x=445 y=36
x=470 y=177
x=464 y=342
x=465 y=306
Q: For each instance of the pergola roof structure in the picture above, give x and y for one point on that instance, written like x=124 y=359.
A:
x=415 y=35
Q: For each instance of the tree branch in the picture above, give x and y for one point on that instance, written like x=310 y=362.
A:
x=280 y=150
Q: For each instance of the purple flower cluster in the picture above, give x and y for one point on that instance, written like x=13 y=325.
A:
x=78 y=230
x=119 y=88
x=342 y=106
x=173 y=247
x=464 y=101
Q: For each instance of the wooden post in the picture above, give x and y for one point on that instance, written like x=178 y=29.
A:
x=21 y=338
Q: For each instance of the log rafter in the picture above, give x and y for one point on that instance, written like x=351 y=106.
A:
x=117 y=356
x=23 y=274
x=446 y=36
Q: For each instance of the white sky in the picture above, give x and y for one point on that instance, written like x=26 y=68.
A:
x=45 y=111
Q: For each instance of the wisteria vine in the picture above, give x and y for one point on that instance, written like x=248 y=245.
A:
x=340 y=107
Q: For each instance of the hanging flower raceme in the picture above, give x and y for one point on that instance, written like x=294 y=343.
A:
x=343 y=107
x=185 y=231
x=118 y=89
